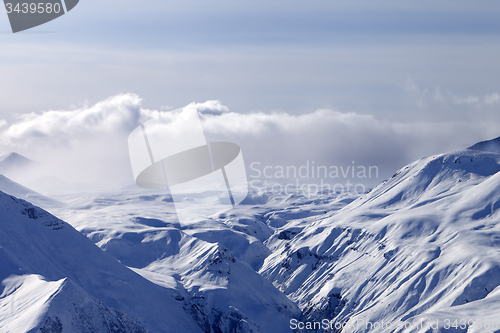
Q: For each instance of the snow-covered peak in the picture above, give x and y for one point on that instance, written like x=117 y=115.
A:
x=14 y=160
x=421 y=246
x=431 y=178
x=492 y=145
x=12 y=188
x=34 y=242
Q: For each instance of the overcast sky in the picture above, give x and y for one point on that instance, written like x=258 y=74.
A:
x=393 y=80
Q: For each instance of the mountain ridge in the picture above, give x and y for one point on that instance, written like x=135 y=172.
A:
x=44 y=245
x=492 y=145
x=418 y=244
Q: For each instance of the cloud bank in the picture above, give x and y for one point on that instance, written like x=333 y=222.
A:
x=88 y=145
x=118 y=113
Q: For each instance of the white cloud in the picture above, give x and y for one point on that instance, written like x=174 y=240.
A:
x=470 y=100
x=209 y=107
x=440 y=97
x=492 y=99
x=417 y=93
x=118 y=113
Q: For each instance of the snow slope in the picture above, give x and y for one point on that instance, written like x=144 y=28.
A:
x=47 y=265
x=492 y=146
x=10 y=187
x=28 y=302
x=223 y=290
x=422 y=246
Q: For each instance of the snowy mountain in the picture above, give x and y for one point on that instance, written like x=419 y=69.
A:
x=423 y=246
x=492 y=146
x=10 y=187
x=54 y=277
x=419 y=253
x=14 y=161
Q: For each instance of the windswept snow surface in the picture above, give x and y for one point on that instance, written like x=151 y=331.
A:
x=492 y=146
x=51 y=273
x=423 y=246
x=419 y=253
